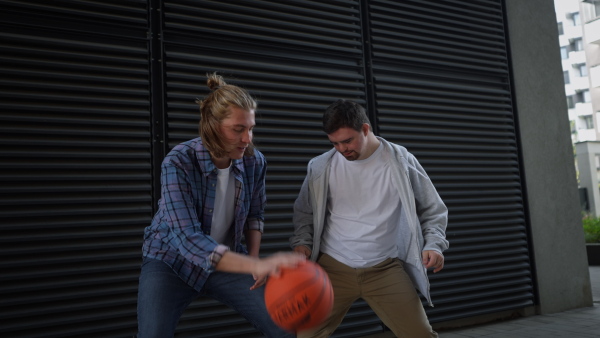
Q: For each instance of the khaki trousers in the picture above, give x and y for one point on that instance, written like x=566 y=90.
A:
x=385 y=287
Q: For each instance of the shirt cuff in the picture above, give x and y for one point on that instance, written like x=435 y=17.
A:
x=255 y=224
x=216 y=256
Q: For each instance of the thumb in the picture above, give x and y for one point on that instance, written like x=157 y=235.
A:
x=275 y=273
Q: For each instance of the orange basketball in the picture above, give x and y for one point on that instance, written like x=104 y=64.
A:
x=300 y=298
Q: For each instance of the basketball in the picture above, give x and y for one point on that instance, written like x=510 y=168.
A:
x=300 y=298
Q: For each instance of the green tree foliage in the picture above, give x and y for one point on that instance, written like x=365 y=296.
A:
x=591 y=229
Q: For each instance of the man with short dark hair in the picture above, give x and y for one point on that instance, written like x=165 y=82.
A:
x=370 y=216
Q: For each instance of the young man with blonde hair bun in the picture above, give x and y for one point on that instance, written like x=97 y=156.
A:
x=212 y=196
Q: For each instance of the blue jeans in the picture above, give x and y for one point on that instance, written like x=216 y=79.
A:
x=163 y=296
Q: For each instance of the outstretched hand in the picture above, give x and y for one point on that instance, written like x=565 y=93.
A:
x=271 y=266
x=433 y=259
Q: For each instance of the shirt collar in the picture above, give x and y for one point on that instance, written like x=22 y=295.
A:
x=209 y=167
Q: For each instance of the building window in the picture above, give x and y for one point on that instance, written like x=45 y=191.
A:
x=570 y=102
x=582 y=96
x=588 y=121
x=586 y=96
x=564 y=53
x=566 y=77
x=582 y=69
x=576 y=45
x=561 y=31
x=576 y=19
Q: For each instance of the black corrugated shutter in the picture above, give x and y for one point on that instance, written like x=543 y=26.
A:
x=442 y=90
x=75 y=166
x=295 y=57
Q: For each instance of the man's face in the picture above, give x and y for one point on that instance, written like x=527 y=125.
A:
x=237 y=131
x=350 y=143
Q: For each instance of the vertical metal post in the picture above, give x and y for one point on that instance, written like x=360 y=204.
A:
x=157 y=93
x=371 y=104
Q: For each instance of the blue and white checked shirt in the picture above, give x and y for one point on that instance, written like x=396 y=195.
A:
x=180 y=231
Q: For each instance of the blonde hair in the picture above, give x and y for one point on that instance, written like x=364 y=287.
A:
x=215 y=108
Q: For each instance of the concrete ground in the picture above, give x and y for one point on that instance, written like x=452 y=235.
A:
x=578 y=323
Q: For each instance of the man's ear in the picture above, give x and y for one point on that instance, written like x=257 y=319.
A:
x=366 y=128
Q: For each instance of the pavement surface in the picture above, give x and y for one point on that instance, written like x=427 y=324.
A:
x=577 y=323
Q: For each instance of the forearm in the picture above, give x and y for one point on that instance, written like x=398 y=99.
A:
x=253 y=238
x=237 y=263
x=302 y=236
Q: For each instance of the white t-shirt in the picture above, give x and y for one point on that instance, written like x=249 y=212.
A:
x=224 y=206
x=364 y=211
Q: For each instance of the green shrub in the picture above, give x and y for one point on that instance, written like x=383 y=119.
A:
x=591 y=229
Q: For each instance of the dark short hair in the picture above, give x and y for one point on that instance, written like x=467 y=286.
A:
x=344 y=114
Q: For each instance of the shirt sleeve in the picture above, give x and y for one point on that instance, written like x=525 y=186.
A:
x=432 y=212
x=255 y=218
x=303 y=216
x=180 y=215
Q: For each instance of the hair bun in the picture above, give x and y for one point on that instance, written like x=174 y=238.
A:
x=215 y=81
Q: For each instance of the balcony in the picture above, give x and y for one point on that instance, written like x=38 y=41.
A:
x=583 y=108
x=563 y=41
x=592 y=31
x=579 y=83
x=572 y=32
x=572 y=114
x=595 y=76
x=586 y=135
x=577 y=57
x=569 y=90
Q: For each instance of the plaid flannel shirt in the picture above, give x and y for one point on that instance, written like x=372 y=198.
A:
x=179 y=234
